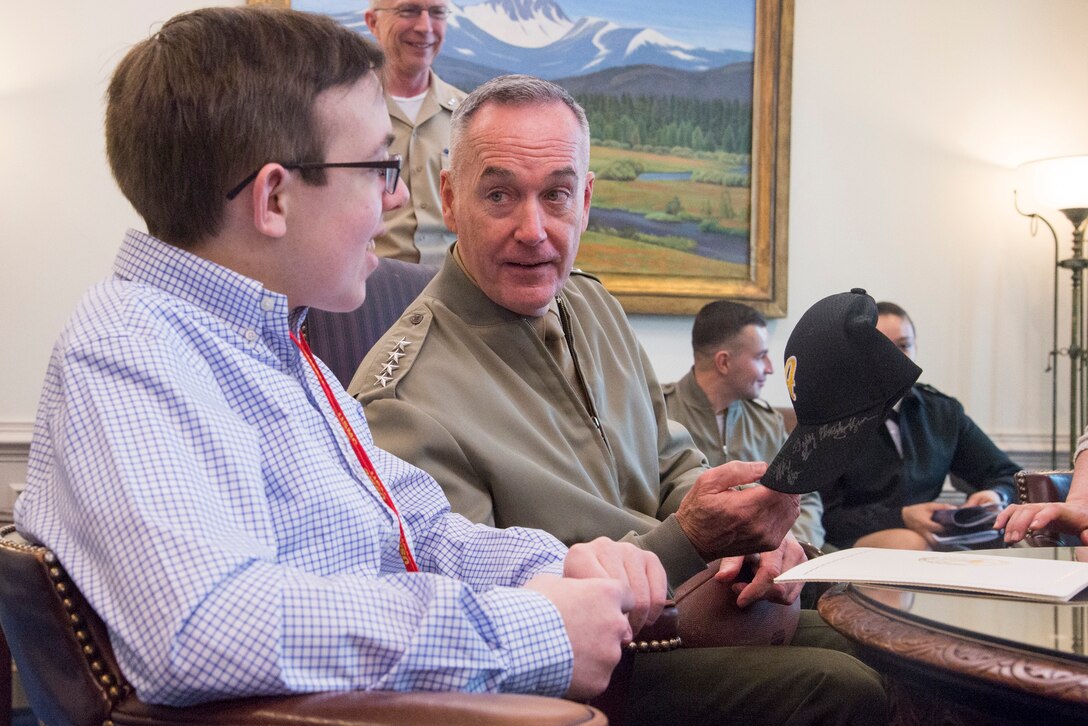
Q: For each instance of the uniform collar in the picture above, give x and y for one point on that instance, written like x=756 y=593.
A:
x=447 y=96
x=690 y=389
x=465 y=299
x=440 y=96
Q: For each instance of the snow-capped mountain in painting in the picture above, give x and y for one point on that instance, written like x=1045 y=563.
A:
x=537 y=37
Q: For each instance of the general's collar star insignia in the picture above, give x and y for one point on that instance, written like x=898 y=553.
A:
x=395 y=356
x=402 y=344
x=383 y=379
x=389 y=367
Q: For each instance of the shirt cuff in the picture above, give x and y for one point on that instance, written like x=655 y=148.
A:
x=537 y=650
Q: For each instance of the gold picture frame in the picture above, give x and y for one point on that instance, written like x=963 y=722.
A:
x=765 y=286
x=679 y=282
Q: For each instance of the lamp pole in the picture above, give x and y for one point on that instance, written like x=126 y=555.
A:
x=1061 y=183
x=1078 y=360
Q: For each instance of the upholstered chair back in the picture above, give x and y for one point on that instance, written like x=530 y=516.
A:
x=343 y=339
x=65 y=662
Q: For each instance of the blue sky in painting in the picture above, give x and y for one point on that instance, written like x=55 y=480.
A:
x=712 y=24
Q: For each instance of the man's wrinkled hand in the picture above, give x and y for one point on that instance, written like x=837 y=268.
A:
x=765 y=566
x=722 y=521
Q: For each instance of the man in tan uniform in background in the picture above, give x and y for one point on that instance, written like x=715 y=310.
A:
x=525 y=392
x=718 y=400
x=420 y=105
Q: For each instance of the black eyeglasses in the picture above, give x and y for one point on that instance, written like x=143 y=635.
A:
x=390 y=168
x=412 y=12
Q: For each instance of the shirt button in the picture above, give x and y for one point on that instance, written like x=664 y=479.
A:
x=251 y=335
x=419 y=169
x=268 y=304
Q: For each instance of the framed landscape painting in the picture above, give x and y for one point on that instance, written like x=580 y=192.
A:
x=689 y=111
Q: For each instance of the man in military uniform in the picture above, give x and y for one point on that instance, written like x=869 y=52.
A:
x=718 y=400
x=887 y=496
x=527 y=394
x=420 y=105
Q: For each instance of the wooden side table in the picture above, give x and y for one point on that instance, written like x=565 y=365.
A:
x=962 y=659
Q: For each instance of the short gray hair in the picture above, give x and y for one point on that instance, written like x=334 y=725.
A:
x=513 y=90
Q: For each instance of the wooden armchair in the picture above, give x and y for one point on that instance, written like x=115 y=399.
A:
x=71 y=677
x=1044 y=486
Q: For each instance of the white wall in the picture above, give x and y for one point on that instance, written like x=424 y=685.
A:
x=908 y=117
x=61 y=215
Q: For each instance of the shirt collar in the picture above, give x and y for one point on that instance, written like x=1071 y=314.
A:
x=240 y=301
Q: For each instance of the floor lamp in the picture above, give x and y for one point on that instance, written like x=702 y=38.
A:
x=1062 y=184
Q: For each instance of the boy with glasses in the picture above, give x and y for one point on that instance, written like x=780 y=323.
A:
x=219 y=501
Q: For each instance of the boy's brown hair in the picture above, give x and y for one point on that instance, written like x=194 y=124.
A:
x=215 y=94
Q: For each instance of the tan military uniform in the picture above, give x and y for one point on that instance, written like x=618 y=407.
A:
x=424 y=150
x=754 y=431
x=466 y=390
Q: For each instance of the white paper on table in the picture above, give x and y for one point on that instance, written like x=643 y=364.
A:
x=962 y=571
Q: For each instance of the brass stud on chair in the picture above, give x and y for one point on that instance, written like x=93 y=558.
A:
x=114 y=687
x=653 y=646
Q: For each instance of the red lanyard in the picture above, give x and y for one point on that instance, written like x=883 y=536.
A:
x=364 y=460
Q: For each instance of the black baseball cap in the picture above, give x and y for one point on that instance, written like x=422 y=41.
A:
x=843 y=376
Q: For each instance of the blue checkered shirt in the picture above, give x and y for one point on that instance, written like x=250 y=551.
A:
x=189 y=472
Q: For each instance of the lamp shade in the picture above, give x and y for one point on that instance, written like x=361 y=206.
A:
x=1058 y=183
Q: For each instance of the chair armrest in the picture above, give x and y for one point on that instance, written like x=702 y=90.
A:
x=367 y=707
x=1040 y=487
x=663 y=634
x=1033 y=487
